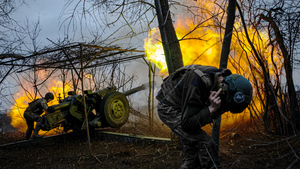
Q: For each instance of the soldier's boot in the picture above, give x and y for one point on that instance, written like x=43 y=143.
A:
x=36 y=131
x=28 y=134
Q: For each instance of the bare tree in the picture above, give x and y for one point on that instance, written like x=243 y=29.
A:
x=281 y=20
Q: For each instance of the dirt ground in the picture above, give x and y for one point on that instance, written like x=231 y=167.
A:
x=242 y=148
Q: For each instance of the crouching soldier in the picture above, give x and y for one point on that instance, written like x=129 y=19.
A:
x=32 y=114
x=192 y=97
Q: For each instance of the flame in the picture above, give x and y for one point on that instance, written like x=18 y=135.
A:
x=59 y=92
x=203 y=46
x=194 y=51
x=17 y=119
x=154 y=51
x=21 y=103
x=88 y=76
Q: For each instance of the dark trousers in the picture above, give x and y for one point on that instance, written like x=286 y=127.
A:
x=199 y=149
x=30 y=119
x=200 y=155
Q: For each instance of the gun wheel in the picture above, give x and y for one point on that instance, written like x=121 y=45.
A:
x=115 y=109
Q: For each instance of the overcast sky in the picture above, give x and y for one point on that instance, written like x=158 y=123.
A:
x=46 y=11
x=50 y=13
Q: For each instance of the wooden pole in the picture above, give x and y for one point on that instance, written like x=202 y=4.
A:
x=153 y=87
x=149 y=98
x=224 y=60
x=84 y=103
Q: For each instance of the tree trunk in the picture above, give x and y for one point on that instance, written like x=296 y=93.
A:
x=224 y=60
x=168 y=35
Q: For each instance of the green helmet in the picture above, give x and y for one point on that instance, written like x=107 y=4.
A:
x=236 y=93
x=49 y=96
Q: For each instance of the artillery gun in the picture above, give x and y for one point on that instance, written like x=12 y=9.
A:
x=105 y=108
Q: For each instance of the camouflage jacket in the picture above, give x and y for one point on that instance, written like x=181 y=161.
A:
x=188 y=90
x=37 y=106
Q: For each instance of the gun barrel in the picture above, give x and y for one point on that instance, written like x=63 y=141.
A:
x=60 y=106
x=134 y=90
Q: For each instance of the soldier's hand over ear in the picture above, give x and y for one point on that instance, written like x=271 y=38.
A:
x=215 y=101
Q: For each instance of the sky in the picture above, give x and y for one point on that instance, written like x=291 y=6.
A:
x=51 y=15
x=47 y=12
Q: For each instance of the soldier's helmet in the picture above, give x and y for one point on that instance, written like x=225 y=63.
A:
x=236 y=93
x=49 y=95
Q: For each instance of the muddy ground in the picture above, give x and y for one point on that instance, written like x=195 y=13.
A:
x=242 y=148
